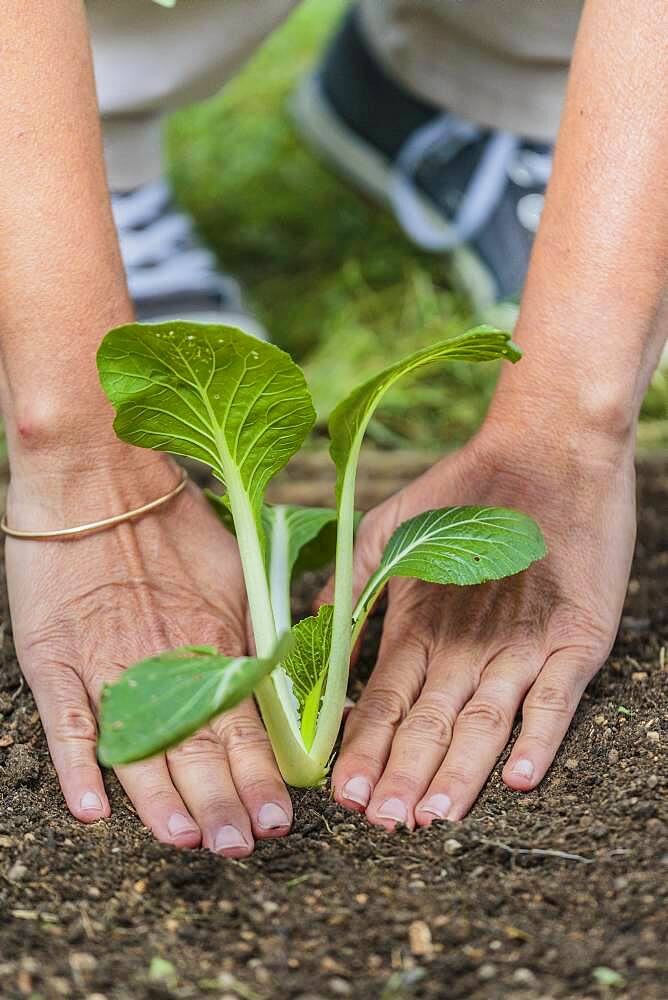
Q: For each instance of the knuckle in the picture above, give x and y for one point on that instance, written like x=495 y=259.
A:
x=257 y=787
x=402 y=777
x=203 y=744
x=384 y=706
x=579 y=630
x=75 y=725
x=157 y=796
x=428 y=724
x=454 y=773
x=220 y=804
x=550 y=698
x=484 y=717
x=242 y=734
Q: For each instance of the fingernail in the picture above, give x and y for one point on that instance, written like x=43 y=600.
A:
x=272 y=816
x=393 y=809
x=357 y=790
x=437 y=805
x=523 y=767
x=91 y=800
x=178 y=823
x=228 y=837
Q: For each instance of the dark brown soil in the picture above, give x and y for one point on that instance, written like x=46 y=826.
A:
x=483 y=909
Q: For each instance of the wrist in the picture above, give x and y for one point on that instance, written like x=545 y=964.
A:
x=64 y=486
x=545 y=442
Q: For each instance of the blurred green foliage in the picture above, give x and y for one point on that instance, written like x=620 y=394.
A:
x=330 y=275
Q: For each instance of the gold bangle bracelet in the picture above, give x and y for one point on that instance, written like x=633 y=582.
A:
x=93 y=526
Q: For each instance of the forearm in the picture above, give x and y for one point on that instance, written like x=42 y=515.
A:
x=61 y=279
x=590 y=321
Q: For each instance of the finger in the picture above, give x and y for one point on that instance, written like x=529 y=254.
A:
x=422 y=740
x=481 y=732
x=151 y=790
x=200 y=770
x=547 y=713
x=71 y=733
x=254 y=770
x=387 y=699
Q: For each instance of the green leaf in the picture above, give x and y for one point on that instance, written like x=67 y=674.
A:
x=350 y=418
x=306 y=666
x=221 y=506
x=347 y=425
x=304 y=536
x=209 y=392
x=162 y=971
x=459 y=545
x=605 y=976
x=158 y=702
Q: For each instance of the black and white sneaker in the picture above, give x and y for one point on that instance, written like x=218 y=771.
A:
x=170 y=275
x=454 y=187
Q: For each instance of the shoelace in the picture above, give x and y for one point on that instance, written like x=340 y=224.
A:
x=503 y=156
x=160 y=253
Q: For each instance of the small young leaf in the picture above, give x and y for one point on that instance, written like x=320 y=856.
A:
x=460 y=545
x=310 y=531
x=350 y=418
x=208 y=392
x=605 y=976
x=306 y=666
x=158 y=702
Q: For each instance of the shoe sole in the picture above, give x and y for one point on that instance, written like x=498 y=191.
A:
x=371 y=173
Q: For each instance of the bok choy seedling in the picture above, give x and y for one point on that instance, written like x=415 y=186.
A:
x=243 y=407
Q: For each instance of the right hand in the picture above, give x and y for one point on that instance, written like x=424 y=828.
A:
x=84 y=609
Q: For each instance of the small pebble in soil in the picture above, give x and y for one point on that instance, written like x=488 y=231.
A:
x=17 y=872
x=524 y=977
x=452 y=846
x=82 y=961
x=653 y=736
x=613 y=757
x=419 y=938
x=340 y=987
x=639 y=677
x=572 y=764
x=487 y=971
x=598 y=829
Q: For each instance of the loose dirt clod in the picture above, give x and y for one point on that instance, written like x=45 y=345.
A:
x=21 y=768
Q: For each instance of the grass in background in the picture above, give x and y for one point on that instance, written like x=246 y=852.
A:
x=330 y=275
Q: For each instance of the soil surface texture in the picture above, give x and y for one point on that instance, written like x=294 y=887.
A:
x=561 y=893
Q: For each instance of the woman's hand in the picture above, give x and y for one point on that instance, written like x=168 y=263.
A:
x=457 y=664
x=84 y=609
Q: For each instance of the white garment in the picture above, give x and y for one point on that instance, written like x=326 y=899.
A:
x=501 y=63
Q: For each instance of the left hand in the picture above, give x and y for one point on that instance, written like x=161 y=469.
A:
x=456 y=664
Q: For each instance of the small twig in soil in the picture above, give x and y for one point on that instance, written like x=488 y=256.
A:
x=543 y=852
x=19 y=689
x=297 y=880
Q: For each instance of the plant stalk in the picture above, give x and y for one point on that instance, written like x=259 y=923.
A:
x=331 y=711
x=296 y=765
